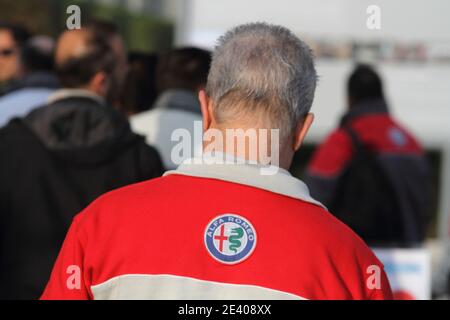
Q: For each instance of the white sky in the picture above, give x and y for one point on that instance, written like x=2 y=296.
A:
x=400 y=19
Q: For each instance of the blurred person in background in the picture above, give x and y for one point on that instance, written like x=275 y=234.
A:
x=139 y=90
x=180 y=74
x=371 y=172
x=61 y=156
x=37 y=83
x=12 y=38
x=223 y=230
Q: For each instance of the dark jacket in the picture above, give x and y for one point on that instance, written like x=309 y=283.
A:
x=388 y=206
x=53 y=163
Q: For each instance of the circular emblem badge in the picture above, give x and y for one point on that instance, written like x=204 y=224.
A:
x=398 y=137
x=230 y=238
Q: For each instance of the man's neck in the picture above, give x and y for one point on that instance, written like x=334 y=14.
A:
x=251 y=145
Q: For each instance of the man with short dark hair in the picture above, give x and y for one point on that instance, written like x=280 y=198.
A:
x=12 y=38
x=183 y=69
x=180 y=74
x=371 y=172
x=104 y=51
x=139 y=90
x=60 y=157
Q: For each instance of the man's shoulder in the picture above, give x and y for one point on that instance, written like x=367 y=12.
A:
x=25 y=94
x=13 y=132
x=134 y=192
x=386 y=134
x=130 y=196
x=112 y=206
x=17 y=147
x=337 y=137
x=141 y=120
x=158 y=118
x=332 y=155
x=327 y=228
x=330 y=237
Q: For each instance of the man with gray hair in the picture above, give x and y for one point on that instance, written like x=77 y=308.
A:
x=219 y=227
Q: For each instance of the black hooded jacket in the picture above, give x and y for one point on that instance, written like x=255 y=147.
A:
x=53 y=163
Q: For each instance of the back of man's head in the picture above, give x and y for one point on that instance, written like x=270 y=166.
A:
x=37 y=54
x=264 y=74
x=364 y=84
x=139 y=90
x=82 y=54
x=183 y=68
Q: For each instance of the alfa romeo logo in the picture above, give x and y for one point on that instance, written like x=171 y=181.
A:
x=230 y=238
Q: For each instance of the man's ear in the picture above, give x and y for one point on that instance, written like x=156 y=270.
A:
x=206 y=107
x=99 y=84
x=302 y=128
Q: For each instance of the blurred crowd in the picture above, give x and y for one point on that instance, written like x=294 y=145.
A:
x=80 y=116
x=65 y=107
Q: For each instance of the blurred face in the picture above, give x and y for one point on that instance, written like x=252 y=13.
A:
x=9 y=57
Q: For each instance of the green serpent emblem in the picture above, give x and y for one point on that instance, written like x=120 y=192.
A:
x=236 y=234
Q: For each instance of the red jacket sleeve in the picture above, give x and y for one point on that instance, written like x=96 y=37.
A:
x=381 y=290
x=327 y=165
x=332 y=156
x=68 y=280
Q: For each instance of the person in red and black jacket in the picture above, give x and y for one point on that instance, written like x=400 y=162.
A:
x=371 y=172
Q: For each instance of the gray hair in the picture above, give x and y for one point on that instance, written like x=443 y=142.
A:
x=261 y=67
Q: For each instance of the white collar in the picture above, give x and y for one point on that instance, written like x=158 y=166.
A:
x=69 y=93
x=248 y=174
